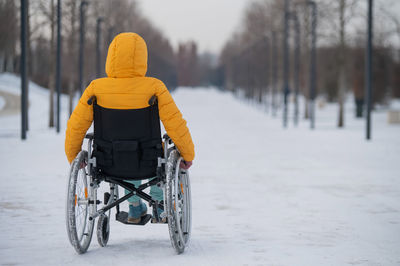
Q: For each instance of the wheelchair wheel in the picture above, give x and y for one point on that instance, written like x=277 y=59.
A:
x=103 y=230
x=178 y=203
x=79 y=227
x=103 y=223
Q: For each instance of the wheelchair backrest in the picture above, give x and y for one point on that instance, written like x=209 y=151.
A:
x=127 y=142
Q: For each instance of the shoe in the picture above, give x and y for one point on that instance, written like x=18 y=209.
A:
x=136 y=213
x=161 y=220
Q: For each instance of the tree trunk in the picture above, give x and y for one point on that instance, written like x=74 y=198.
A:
x=306 y=62
x=342 y=92
x=306 y=111
x=341 y=65
x=9 y=67
x=71 y=96
x=2 y=61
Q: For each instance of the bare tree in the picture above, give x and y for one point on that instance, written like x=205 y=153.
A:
x=8 y=34
x=335 y=17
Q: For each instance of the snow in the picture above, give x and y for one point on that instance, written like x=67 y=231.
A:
x=2 y=102
x=395 y=104
x=262 y=195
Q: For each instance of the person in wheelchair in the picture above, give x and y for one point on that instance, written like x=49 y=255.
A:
x=127 y=87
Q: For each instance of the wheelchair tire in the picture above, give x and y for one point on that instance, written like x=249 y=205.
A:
x=103 y=230
x=178 y=203
x=78 y=209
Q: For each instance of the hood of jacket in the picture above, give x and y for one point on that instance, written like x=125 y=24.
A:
x=127 y=56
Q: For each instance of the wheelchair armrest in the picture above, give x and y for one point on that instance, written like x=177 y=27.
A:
x=89 y=135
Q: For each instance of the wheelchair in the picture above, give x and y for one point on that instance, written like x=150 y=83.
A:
x=118 y=152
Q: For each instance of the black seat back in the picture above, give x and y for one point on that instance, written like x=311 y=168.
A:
x=127 y=143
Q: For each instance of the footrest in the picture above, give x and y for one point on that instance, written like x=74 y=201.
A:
x=153 y=221
x=123 y=218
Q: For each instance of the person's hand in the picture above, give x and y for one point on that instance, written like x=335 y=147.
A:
x=83 y=165
x=185 y=165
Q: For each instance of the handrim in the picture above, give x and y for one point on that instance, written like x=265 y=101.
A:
x=79 y=228
x=178 y=203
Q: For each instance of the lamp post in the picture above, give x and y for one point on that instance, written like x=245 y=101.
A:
x=274 y=67
x=58 y=64
x=81 y=43
x=98 y=46
x=368 y=68
x=110 y=34
x=267 y=67
x=286 y=90
x=24 y=96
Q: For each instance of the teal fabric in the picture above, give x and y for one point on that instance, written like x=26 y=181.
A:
x=136 y=212
x=156 y=192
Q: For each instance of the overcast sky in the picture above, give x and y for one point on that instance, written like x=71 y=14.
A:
x=208 y=22
x=211 y=22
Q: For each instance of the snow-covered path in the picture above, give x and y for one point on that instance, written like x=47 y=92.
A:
x=262 y=195
x=9 y=103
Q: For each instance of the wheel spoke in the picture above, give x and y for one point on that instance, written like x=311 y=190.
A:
x=79 y=227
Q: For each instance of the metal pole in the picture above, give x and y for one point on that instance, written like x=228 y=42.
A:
x=110 y=34
x=313 y=62
x=58 y=65
x=28 y=64
x=286 y=90
x=296 y=68
x=368 y=68
x=81 y=44
x=274 y=72
x=268 y=67
x=24 y=85
x=98 y=47
x=250 y=95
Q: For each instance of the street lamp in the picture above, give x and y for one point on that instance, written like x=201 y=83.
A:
x=286 y=89
x=24 y=85
x=368 y=68
x=98 y=46
x=58 y=64
x=274 y=58
x=81 y=43
x=313 y=62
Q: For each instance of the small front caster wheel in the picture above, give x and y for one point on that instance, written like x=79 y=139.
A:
x=103 y=230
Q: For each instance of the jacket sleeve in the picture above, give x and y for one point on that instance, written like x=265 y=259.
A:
x=78 y=124
x=173 y=122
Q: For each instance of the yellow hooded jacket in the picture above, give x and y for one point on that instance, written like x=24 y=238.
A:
x=126 y=87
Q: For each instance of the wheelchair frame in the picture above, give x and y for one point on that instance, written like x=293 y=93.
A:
x=174 y=181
